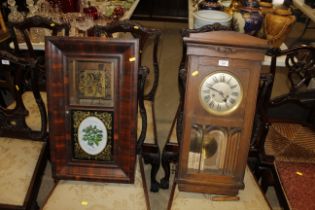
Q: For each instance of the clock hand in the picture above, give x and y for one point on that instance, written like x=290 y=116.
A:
x=218 y=91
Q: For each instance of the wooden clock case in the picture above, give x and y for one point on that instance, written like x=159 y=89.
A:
x=239 y=55
x=92 y=81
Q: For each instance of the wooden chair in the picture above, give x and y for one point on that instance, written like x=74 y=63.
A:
x=170 y=152
x=149 y=42
x=23 y=131
x=102 y=195
x=283 y=148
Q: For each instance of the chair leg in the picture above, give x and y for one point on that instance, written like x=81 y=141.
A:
x=170 y=154
x=151 y=155
x=266 y=179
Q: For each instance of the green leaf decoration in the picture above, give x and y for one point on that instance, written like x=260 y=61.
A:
x=92 y=135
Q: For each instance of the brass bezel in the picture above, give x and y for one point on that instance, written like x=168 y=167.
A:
x=226 y=112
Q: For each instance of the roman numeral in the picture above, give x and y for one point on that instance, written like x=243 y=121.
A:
x=215 y=79
x=211 y=104
x=206 y=98
x=232 y=100
x=208 y=85
x=235 y=94
x=229 y=80
x=222 y=78
x=233 y=86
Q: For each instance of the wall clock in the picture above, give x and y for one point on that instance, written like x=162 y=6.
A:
x=92 y=102
x=223 y=69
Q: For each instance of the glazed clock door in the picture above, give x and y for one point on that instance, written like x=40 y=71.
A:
x=220 y=95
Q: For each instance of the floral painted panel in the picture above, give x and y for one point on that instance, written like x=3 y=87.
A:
x=92 y=135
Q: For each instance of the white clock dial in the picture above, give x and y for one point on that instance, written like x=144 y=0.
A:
x=220 y=93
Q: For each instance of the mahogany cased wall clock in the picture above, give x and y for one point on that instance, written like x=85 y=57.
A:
x=223 y=69
x=92 y=103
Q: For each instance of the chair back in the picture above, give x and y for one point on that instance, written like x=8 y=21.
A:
x=27 y=24
x=21 y=32
x=296 y=100
x=284 y=128
x=18 y=76
x=295 y=95
x=144 y=35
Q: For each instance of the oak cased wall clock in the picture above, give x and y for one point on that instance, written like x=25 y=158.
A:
x=223 y=69
x=92 y=103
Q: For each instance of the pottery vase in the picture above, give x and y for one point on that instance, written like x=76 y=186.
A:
x=277 y=26
x=249 y=20
x=266 y=7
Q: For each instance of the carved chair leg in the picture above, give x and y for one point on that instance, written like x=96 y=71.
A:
x=151 y=155
x=266 y=179
x=155 y=165
x=170 y=154
x=164 y=183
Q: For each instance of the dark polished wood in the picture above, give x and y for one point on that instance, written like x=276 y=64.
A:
x=295 y=106
x=150 y=152
x=206 y=51
x=19 y=75
x=124 y=55
x=170 y=154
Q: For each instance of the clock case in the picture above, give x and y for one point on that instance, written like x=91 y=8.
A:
x=214 y=148
x=73 y=101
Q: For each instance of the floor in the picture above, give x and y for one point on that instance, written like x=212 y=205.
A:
x=167 y=99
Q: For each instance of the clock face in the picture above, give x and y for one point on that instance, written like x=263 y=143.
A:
x=220 y=93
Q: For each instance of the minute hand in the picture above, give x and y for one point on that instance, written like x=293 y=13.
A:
x=218 y=91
